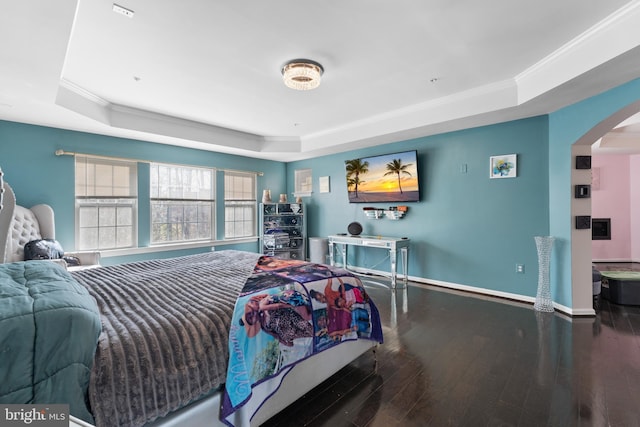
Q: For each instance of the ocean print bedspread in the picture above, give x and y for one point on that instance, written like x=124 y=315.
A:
x=288 y=311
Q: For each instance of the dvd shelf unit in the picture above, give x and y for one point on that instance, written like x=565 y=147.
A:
x=283 y=230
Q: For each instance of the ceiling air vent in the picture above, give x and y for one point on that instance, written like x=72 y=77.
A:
x=123 y=11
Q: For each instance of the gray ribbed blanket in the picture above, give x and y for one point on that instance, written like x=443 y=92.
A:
x=165 y=329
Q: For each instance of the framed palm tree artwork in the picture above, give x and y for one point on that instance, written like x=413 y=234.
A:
x=385 y=178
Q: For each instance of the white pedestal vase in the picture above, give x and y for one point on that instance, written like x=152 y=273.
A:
x=544 y=245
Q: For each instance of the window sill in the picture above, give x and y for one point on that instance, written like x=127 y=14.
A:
x=174 y=247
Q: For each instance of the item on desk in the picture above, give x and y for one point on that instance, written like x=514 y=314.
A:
x=355 y=228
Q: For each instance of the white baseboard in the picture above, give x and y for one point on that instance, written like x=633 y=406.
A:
x=481 y=291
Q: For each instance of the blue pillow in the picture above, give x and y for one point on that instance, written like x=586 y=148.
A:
x=43 y=249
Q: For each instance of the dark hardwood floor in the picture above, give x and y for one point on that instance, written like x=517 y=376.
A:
x=453 y=359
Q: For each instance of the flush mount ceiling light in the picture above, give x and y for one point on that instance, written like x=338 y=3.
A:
x=302 y=74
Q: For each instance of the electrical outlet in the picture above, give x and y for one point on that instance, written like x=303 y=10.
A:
x=520 y=268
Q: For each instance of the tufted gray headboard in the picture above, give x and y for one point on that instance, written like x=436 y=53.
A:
x=19 y=225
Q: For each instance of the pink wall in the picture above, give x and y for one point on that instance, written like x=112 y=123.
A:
x=611 y=199
x=634 y=202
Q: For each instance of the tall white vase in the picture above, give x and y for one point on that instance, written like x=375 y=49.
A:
x=544 y=245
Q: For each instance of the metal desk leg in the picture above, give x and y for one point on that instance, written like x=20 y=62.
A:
x=393 y=255
x=344 y=256
x=405 y=264
x=331 y=260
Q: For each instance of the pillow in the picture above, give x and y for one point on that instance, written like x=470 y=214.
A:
x=72 y=261
x=43 y=249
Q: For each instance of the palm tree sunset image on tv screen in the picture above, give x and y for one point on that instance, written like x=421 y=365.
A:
x=386 y=178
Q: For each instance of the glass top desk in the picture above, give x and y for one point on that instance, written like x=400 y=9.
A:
x=392 y=244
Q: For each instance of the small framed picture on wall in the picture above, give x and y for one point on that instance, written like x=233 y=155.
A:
x=504 y=166
x=324 y=184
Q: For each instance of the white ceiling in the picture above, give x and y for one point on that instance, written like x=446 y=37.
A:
x=206 y=73
x=623 y=139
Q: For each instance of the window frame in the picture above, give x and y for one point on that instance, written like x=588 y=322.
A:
x=241 y=202
x=196 y=201
x=89 y=197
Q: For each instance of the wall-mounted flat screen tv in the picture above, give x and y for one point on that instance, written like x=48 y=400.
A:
x=389 y=178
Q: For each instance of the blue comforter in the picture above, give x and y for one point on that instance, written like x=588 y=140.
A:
x=49 y=328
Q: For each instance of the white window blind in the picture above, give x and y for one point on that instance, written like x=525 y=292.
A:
x=106 y=203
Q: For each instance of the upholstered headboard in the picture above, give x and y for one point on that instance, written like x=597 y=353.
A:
x=19 y=225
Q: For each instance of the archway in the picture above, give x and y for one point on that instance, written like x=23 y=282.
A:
x=581 y=257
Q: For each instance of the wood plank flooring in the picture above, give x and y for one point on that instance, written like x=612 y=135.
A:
x=451 y=359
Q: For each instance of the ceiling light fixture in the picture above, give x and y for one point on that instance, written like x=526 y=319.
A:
x=302 y=74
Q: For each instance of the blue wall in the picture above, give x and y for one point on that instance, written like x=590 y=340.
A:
x=467 y=228
x=37 y=175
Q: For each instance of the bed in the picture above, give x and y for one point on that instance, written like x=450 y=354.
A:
x=189 y=340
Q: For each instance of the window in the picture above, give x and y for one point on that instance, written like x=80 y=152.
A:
x=106 y=203
x=182 y=203
x=239 y=204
